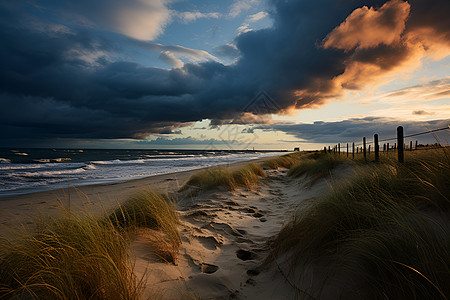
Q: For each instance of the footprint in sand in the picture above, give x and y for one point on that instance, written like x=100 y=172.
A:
x=209 y=242
x=253 y=272
x=208 y=268
x=246 y=255
x=257 y=215
x=248 y=210
x=225 y=228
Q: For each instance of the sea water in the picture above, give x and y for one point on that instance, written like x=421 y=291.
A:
x=30 y=170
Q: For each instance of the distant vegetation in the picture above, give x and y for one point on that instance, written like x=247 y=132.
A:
x=386 y=230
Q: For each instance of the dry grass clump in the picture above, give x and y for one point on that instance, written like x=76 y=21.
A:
x=212 y=178
x=284 y=161
x=68 y=258
x=386 y=230
x=219 y=177
x=248 y=176
x=85 y=257
x=154 y=211
x=316 y=166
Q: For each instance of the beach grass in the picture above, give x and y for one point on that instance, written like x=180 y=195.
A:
x=316 y=165
x=67 y=258
x=220 y=177
x=386 y=229
x=285 y=161
x=84 y=257
x=151 y=210
x=248 y=176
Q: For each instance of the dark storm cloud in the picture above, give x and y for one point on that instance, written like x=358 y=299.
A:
x=181 y=141
x=353 y=130
x=63 y=82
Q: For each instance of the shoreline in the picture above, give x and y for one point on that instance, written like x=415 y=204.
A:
x=96 y=198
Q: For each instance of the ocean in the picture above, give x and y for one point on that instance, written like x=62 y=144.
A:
x=25 y=171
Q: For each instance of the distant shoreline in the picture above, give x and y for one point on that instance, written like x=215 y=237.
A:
x=95 y=198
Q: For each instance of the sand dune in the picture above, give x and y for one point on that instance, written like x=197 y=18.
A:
x=225 y=242
x=224 y=234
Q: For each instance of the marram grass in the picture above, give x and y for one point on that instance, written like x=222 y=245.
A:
x=285 y=161
x=68 y=258
x=386 y=231
x=316 y=166
x=154 y=211
x=84 y=257
x=220 y=177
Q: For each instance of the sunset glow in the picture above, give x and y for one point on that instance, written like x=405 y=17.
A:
x=175 y=74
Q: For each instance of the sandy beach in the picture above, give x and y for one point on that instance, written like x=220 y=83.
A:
x=225 y=238
x=241 y=241
x=92 y=199
x=224 y=233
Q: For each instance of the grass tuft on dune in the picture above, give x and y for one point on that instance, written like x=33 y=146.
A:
x=85 y=257
x=68 y=258
x=219 y=177
x=285 y=161
x=153 y=211
x=316 y=166
x=387 y=229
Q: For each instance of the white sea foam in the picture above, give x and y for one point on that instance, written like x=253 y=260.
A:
x=53 y=160
x=47 y=173
x=4 y=160
x=62 y=159
x=29 y=177
x=118 y=161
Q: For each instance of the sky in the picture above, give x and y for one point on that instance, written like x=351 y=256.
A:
x=231 y=74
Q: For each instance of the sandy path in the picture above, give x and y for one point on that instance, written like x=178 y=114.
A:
x=225 y=237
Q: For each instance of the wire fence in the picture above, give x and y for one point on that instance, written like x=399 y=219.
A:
x=364 y=147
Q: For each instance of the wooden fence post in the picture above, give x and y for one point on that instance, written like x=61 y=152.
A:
x=387 y=147
x=364 y=148
x=339 y=149
x=325 y=149
x=400 y=143
x=377 y=147
x=395 y=146
x=410 y=145
x=416 y=145
x=369 y=149
x=347 y=149
x=353 y=151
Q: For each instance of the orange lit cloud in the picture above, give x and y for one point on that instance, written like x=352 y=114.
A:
x=368 y=27
x=381 y=43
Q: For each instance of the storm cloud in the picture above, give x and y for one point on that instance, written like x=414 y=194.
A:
x=63 y=81
x=353 y=130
